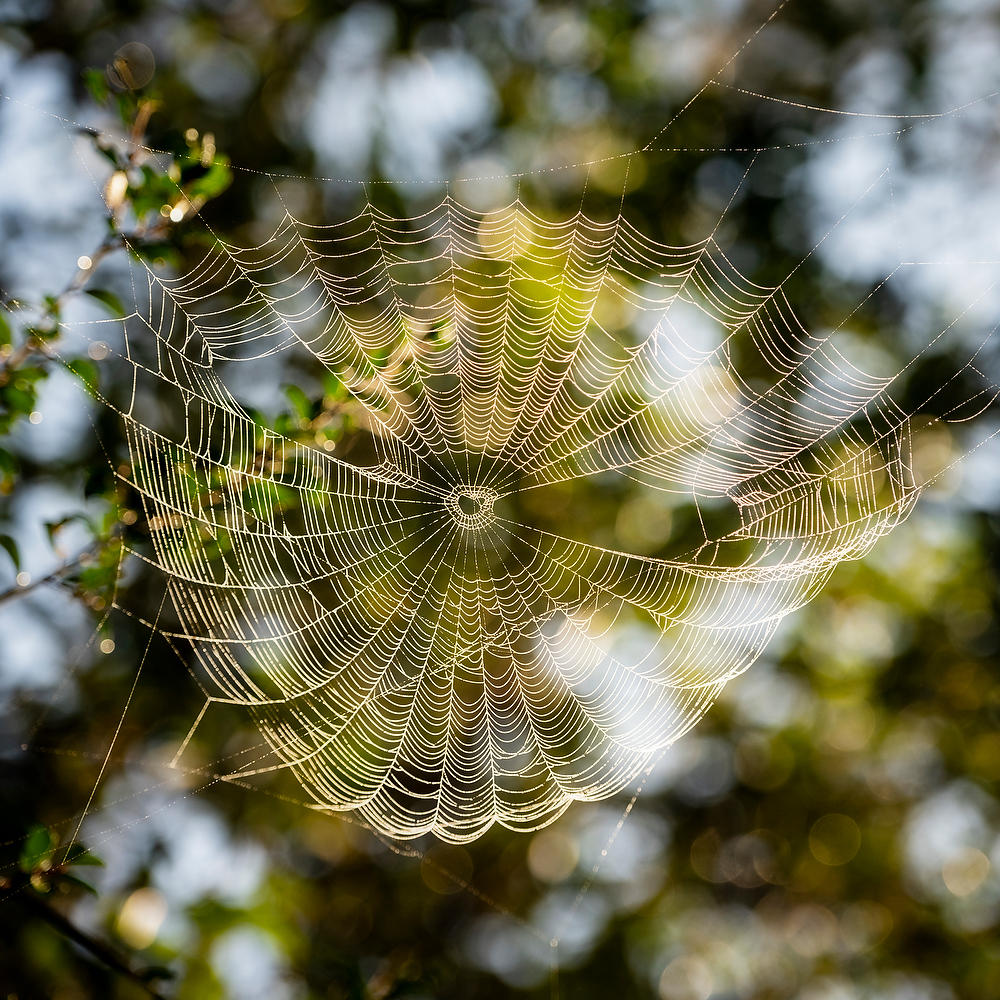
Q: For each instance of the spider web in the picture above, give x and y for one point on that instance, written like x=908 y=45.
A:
x=422 y=635
x=414 y=633
x=409 y=641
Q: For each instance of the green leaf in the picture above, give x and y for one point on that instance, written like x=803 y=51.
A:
x=335 y=388
x=157 y=252
x=98 y=479
x=37 y=846
x=78 y=882
x=26 y=377
x=96 y=82
x=86 y=372
x=5 y=331
x=110 y=154
x=213 y=182
x=8 y=464
x=108 y=299
x=52 y=528
x=18 y=400
x=98 y=579
x=8 y=543
x=43 y=333
x=157 y=972
x=152 y=192
x=126 y=107
x=78 y=854
x=300 y=401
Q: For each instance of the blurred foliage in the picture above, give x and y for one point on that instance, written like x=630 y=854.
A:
x=829 y=831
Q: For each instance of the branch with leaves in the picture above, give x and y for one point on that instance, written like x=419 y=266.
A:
x=148 y=196
x=146 y=199
x=40 y=878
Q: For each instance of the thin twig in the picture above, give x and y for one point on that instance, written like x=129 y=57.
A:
x=100 y=950
x=79 y=280
x=56 y=575
x=76 y=284
x=47 y=323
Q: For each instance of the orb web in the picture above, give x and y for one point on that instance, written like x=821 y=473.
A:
x=417 y=630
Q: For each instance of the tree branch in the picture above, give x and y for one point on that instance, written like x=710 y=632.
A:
x=100 y=950
x=56 y=575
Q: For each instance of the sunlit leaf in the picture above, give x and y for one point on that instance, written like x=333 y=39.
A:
x=10 y=546
x=86 y=372
x=37 y=846
x=107 y=299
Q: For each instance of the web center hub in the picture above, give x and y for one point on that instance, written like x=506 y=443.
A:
x=472 y=506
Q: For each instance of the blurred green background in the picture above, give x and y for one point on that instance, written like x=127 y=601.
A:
x=830 y=830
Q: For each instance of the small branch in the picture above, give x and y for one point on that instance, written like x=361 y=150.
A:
x=78 y=282
x=46 y=327
x=103 y=952
x=147 y=108
x=55 y=576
